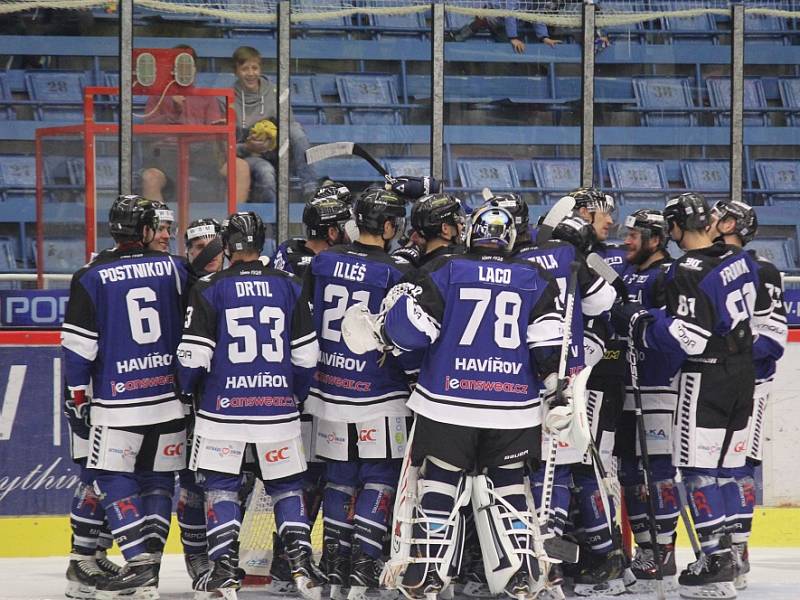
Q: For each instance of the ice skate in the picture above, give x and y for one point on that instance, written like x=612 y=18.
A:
x=281 y=582
x=519 y=586
x=708 y=577
x=741 y=565
x=420 y=581
x=108 y=567
x=83 y=574
x=222 y=578
x=555 y=579
x=138 y=580
x=643 y=568
x=364 y=573
x=196 y=564
x=337 y=572
x=602 y=576
x=305 y=575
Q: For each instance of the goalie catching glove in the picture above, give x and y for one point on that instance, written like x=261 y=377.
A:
x=362 y=331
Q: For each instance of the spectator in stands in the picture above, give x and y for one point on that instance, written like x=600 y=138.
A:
x=256 y=101
x=503 y=29
x=186 y=110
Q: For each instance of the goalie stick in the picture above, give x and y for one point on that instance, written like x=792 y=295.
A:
x=560 y=210
x=323 y=151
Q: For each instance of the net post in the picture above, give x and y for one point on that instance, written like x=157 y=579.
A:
x=125 y=95
x=587 y=95
x=737 y=98
x=284 y=53
x=437 y=91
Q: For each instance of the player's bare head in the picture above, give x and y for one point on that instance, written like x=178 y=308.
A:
x=491 y=230
x=646 y=235
x=133 y=219
x=243 y=236
x=518 y=208
x=439 y=216
x=199 y=235
x=687 y=213
x=597 y=208
x=380 y=213
x=734 y=221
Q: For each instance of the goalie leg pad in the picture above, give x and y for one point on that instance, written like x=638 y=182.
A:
x=223 y=513
x=437 y=531
x=157 y=490
x=86 y=516
x=739 y=491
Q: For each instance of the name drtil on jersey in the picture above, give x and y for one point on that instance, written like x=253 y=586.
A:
x=159 y=268
x=488 y=365
x=253 y=288
x=149 y=361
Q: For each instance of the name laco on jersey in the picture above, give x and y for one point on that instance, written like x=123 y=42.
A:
x=494 y=275
x=733 y=271
x=146 y=270
x=350 y=271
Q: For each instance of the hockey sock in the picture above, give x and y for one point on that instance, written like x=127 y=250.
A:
x=119 y=494
x=593 y=516
x=223 y=513
x=559 y=503
x=313 y=489
x=291 y=517
x=707 y=505
x=666 y=502
x=86 y=517
x=339 y=504
x=373 y=508
x=191 y=515
x=106 y=540
x=157 y=490
x=739 y=492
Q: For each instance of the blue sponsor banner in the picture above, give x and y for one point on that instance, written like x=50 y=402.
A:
x=37 y=476
x=33 y=308
x=791 y=300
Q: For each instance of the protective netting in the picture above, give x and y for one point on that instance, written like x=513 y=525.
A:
x=559 y=13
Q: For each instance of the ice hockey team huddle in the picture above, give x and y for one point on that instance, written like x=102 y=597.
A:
x=468 y=400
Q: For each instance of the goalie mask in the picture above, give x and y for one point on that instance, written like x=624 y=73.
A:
x=518 y=208
x=746 y=222
x=130 y=214
x=243 y=231
x=492 y=228
x=429 y=213
x=650 y=224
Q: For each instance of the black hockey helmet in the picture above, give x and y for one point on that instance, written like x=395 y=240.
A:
x=429 y=213
x=491 y=227
x=334 y=189
x=207 y=228
x=576 y=231
x=130 y=214
x=745 y=216
x=593 y=199
x=514 y=204
x=650 y=223
x=243 y=231
x=325 y=211
x=688 y=211
x=375 y=206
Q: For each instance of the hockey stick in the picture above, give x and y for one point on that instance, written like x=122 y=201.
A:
x=323 y=151
x=604 y=270
x=651 y=501
x=687 y=522
x=561 y=209
x=487 y=194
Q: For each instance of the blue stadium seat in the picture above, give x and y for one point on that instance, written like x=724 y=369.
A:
x=719 y=94
x=777 y=250
x=106 y=172
x=454 y=21
x=61 y=94
x=416 y=167
x=347 y=169
x=372 y=92
x=61 y=255
x=18 y=177
x=693 y=29
x=306 y=94
x=632 y=32
x=708 y=176
x=333 y=25
x=214 y=80
x=237 y=28
x=639 y=175
x=557 y=175
x=8 y=256
x=496 y=174
x=412 y=23
x=6 y=111
x=765 y=28
x=668 y=98
x=780 y=180
x=789 y=88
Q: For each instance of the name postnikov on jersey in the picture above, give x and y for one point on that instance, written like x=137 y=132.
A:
x=161 y=268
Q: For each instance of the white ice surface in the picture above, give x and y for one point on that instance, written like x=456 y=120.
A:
x=775 y=575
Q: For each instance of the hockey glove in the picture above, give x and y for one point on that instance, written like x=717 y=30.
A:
x=76 y=409
x=362 y=331
x=559 y=407
x=414 y=187
x=631 y=320
x=410 y=253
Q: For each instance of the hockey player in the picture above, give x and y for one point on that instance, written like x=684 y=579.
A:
x=163 y=235
x=646 y=241
x=119 y=335
x=711 y=299
x=248 y=349
x=439 y=221
x=735 y=223
x=324 y=218
x=358 y=403
x=491 y=332
x=572 y=238
x=204 y=246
